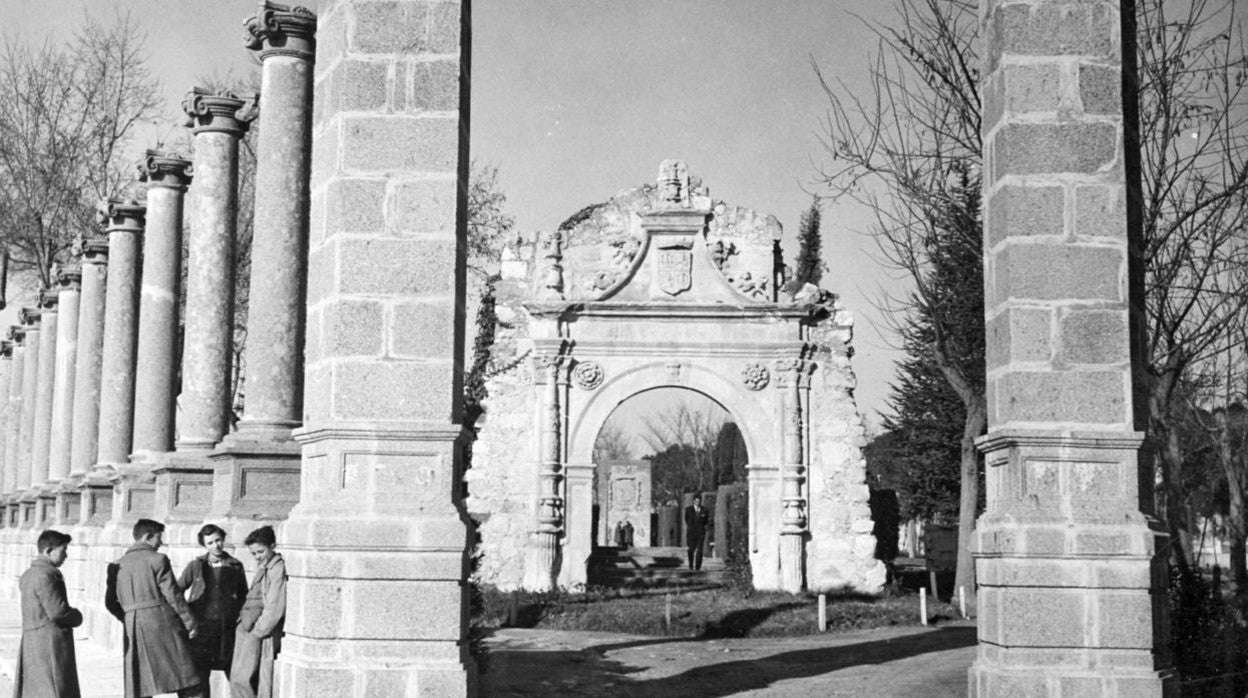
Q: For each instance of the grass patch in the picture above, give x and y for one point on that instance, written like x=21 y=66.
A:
x=708 y=613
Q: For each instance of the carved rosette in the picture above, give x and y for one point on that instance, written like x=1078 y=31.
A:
x=587 y=375
x=222 y=111
x=121 y=215
x=281 y=30
x=162 y=169
x=755 y=376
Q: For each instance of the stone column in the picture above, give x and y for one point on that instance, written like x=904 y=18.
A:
x=1071 y=593
x=272 y=400
x=167 y=176
x=382 y=444
x=90 y=354
x=125 y=228
x=218 y=122
x=69 y=286
x=7 y=378
x=546 y=540
x=13 y=428
x=45 y=386
x=792 y=478
x=29 y=317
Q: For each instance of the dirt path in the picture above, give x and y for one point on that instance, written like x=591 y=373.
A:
x=910 y=662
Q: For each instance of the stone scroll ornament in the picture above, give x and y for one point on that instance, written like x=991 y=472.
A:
x=587 y=374
x=755 y=376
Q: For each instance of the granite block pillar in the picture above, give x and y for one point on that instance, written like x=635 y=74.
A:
x=376 y=547
x=88 y=378
x=125 y=220
x=257 y=470
x=45 y=386
x=1071 y=595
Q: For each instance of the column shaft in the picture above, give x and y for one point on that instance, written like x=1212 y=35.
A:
x=89 y=357
x=125 y=227
x=13 y=410
x=7 y=378
x=272 y=389
x=69 y=279
x=157 y=351
x=45 y=386
x=208 y=356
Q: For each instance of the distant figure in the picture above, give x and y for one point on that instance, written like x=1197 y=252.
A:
x=144 y=595
x=46 y=667
x=624 y=534
x=258 y=638
x=696 y=520
x=215 y=586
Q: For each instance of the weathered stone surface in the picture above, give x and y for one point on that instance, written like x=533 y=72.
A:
x=90 y=355
x=1019 y=335
x=1025 y=211
x=1054 y=272
x=1031 y=148
x=45 y=386
x=30 y=374
x=13 y=410
x=125 y=228
x=69 y=291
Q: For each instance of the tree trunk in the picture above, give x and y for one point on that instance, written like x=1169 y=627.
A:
x=1236 y=523
x=968 y=501
x=1170 y=458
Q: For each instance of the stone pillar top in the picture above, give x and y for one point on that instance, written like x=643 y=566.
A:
x=17 y=334
x=164 y=169
x=220 y=111
x=48 y=299
x=281 y=30
x=121 y=215
x=29 y=316
x=91 y=249
x=6 y=349
x=69 y=277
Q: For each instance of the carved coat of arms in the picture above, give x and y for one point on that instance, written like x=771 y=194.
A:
x=675 y=269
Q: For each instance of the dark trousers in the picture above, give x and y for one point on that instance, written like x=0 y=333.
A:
x=695 y=551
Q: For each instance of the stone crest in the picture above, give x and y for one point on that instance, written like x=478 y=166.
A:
x=675 y=269
x=755 y=376
x=587 y=374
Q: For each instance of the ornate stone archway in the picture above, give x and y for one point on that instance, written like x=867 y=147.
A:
x=662 y=286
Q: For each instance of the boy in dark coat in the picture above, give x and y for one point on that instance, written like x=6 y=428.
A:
x=258 y=638
x=46 y=667
x=696 y=520
x=145 y=596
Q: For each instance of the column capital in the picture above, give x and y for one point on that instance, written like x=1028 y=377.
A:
x=68 y=277
x=225 y=112
x=164 y=169
x=121 y=215
x=17 y=334
x=281 y=30
x=29 y=317
x=48 y=300
x=6 y=349
x=91 y=249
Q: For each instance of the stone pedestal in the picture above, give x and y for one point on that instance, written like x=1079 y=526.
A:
x=376 y=547
x=255 y=480
x=184 y=487
x=156 y=363
x=1071 y=596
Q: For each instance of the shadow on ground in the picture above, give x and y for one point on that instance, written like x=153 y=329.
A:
x=532 y=671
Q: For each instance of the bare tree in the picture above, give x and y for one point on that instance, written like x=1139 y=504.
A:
x=66 y=115
x=910 y=150
x=612 y=444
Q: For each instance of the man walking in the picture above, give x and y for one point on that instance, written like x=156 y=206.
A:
x=144 y=595
x=696 y=519
x=46 y=667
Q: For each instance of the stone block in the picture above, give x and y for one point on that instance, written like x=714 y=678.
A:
x=322 y=260
x=1100 y=89
x=1124 y=620
x=399 y=144
x=405 y=609
x=390 y=267
x=1093 y=337
x=422 y=206
x=1076 y=27
x=319 y=683
x=1053 y=272
x=444 y=27
x=1019 y=335
x=1054 y=148
x=1042 y=618
x=355 y=205
x=326 y=143
x=431 y=86
x=317 y=604
x=389 y=27
x=1025 y=211
x=1032 y=87
x=422 y=330
x=354 y=84
x=1100 y=211
x=1017 y=686
x=388 y=391
x=1084 y=687
x=1070 y=397
x=351 y=328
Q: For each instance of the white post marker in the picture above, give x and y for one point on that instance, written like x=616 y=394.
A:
x=667 y=610
x=513 y=611
x=923 y=605
x=962 y=601
x=823 y=613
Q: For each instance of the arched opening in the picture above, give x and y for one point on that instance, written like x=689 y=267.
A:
x=657 y=450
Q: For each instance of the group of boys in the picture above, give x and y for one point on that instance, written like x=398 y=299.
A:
x=142 y=592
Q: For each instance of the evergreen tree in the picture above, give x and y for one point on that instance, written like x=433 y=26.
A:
x=809 y=267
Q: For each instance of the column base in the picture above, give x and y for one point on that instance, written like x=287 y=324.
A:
x=184 y=487
x=69 y=502
x=96 y=500
x=254 y=480
x=134 y=495
x=1061 y=674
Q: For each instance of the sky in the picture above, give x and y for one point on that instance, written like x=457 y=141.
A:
x=575 y=100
